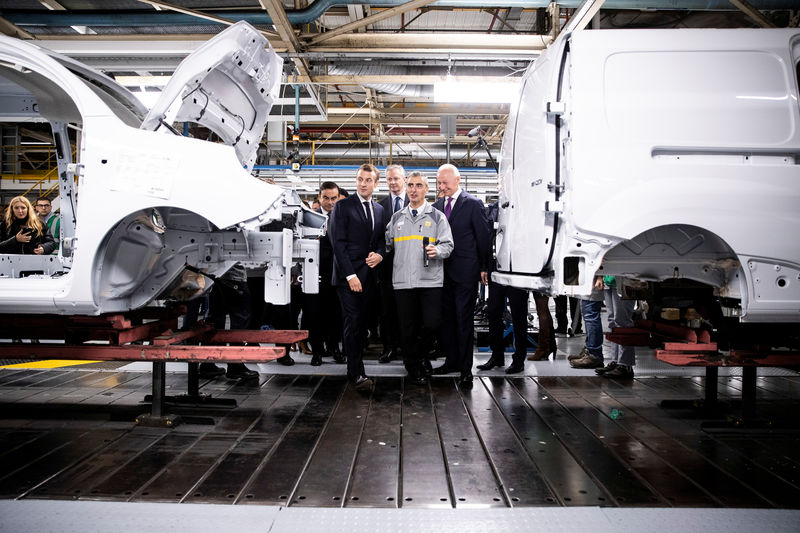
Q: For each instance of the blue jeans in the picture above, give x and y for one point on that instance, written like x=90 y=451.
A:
x=594 y=327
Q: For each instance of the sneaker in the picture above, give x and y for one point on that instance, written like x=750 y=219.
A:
x=587 y=361
x=610 y=366
x=561 y=332
x=584 y=352
x=620 y=372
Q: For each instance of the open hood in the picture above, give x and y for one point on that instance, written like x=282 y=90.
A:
x=227 y=85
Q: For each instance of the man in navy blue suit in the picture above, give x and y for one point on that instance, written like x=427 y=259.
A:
x=395 y=177
x=465 y=267
x=358 y=238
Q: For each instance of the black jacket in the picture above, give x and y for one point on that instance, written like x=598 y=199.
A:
x=10 y=245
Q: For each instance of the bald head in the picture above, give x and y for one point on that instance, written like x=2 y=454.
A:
x=447 y=179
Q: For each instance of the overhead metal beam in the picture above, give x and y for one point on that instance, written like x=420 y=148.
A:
x=281 y=22
x=409 y=44
x=198 y=14
x=13 y=30
x=455 y=43
x=372 y=19
x=583 y=15
x=356 y=79
x=390 y=119
x=748 y=9
x=429 y=109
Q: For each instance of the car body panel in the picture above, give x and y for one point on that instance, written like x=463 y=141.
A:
x=679 y=154
x=154 y=212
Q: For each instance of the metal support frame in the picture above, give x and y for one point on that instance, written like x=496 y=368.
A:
x=696 y=349
x=126 y=334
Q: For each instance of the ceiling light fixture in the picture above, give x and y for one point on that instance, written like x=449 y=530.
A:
x=481 y=92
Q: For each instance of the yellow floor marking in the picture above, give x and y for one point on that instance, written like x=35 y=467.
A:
x=50 y=363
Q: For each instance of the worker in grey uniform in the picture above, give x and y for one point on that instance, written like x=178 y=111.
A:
x=421 y=239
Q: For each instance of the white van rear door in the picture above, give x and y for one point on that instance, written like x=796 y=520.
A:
x=227 y=85
x=528 y=187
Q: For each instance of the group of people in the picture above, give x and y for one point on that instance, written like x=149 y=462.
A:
x=425 y=261
x=421 y=261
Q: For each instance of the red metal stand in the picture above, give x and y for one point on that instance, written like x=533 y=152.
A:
x=144 y=335
x=696 y=349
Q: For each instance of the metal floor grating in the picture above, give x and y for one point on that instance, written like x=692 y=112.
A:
x=308 y=441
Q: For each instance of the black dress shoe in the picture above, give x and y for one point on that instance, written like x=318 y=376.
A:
x=286 y=360
x=239 y=371
x=491 y=363
x=418 y=379
x=442 y=370
x=209 y=371
x=386 y=356
x=427 y=369
x=465 y=381
x=362 y=382
x=316 y=360
x=515 y=368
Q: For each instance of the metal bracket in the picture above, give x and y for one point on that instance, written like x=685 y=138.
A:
x=556 y=108
x=553 y=206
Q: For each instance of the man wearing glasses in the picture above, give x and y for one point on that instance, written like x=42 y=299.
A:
x=52 y=220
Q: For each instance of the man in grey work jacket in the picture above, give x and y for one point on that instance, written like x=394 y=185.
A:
x=422 y=240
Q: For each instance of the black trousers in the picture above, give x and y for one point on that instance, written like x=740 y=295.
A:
x=322 y=317
x=390 y=334
x=231 y=298
x=561 y=313
x=458 y=332
x=420 y=315
x=496 y=308
x=355 y=319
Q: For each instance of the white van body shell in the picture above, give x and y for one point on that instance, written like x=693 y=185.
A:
x=658 y=154
x=143 y=206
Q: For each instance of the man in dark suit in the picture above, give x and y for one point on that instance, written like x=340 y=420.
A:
x=325 y=324
x=397 y=200
x=358 y=238
x=465 y=267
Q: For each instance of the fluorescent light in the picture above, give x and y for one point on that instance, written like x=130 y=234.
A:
x=484 y=93
x=136 y=81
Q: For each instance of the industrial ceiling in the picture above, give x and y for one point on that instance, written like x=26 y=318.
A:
x=363 y=70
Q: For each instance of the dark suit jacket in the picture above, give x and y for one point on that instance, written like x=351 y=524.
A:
x=325 y=255
x=471 y=239
x=385 y=268
x=353 y=240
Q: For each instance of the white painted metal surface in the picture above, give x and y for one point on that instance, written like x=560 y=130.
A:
x=145 y=215
x=665 y=153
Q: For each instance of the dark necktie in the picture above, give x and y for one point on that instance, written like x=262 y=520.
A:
x=414 y=213
x=397 y=204
x=448 y=207
x=369 y=215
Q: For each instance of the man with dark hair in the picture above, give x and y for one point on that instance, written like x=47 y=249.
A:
x=52 y=220
x=420 y=238
x=465 y=267
x=396 y=181
x=357 y=236
x=325 y=331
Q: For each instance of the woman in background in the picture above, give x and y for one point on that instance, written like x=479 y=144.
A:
x=21 y=232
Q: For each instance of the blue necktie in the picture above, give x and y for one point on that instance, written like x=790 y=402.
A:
x=397 y=205
x=414 y=212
